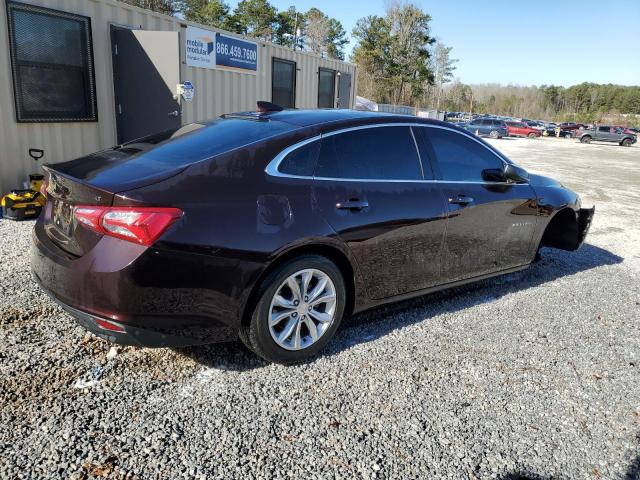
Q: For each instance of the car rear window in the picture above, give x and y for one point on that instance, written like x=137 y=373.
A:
x=199 y=141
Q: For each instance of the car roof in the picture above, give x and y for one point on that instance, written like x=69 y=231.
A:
x=329 y=117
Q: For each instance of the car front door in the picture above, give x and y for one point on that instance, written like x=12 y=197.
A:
x=490 y=221
x=369 y=186
x=603 y=134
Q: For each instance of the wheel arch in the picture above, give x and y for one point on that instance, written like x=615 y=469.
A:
x=562 y=231
x=331 y=252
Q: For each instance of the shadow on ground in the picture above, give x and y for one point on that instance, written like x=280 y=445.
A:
x=553 y=265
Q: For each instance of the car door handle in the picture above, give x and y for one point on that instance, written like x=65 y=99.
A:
x=461 y=200
x=352 y=205
x=175 y=113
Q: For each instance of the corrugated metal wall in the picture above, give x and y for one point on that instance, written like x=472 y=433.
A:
x=217 y=91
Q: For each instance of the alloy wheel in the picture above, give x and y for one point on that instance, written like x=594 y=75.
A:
x=302 y=309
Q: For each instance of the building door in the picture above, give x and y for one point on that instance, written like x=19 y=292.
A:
x=326 y=88
x=146 y=70
x=283 y=83
x=344 y=90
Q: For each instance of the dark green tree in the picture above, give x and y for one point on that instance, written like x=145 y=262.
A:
x=393 y=54
x=208 y=12
x=336 y=39
x=256 y=18
x=289 y=28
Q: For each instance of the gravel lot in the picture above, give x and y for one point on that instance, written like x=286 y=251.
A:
x=534 y=375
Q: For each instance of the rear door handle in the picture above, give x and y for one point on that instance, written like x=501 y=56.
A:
x=460 y=200
x=352 y=205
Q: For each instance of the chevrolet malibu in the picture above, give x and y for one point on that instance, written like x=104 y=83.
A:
x=273 y=225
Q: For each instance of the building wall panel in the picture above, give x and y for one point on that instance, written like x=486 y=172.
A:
x=216 y=91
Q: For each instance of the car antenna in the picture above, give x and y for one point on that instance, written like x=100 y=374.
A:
x=266 y=107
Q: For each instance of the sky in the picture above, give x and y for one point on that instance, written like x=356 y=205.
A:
x=520 y=42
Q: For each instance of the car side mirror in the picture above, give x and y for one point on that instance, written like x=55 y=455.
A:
x=493 y=175
x=515 y=174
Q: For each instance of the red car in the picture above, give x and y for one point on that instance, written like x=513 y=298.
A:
x=520 y=129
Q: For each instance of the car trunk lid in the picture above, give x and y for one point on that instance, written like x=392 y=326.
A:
x=63 y=194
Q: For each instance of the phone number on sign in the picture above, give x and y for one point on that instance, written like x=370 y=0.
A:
x=236 y=52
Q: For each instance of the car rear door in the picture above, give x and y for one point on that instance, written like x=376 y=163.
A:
x=491 y=221
x=369 y=187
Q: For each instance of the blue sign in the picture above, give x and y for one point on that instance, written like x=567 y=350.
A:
x=236 y=54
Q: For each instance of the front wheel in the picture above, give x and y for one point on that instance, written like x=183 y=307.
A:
x=299 y=309
x=626 y=142
x=494 y=134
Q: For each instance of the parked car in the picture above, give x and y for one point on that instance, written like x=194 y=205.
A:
x=561 y=133
x=488 y=126
x=535 y=124
x=608 y=133
x=273 y=225
x=520 y=129
x=570 y=126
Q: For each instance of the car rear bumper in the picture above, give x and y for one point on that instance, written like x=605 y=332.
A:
x=121 y=333
x=135 y=289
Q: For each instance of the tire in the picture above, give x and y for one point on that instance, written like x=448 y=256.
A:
x=626 y=142
x=585 y=139
x=494 y=134
x=532 y=135
x=260 y=337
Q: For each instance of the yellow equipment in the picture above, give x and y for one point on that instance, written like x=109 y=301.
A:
x=28 y=203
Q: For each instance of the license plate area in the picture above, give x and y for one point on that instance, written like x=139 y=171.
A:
x=63 y=217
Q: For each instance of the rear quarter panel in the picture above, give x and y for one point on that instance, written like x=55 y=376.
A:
x=237 y=220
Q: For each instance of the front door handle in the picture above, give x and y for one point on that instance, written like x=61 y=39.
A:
x=460 y=200
x=353 y=204
x=175 y=113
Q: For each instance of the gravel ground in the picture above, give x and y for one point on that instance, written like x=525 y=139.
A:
x=533 y=375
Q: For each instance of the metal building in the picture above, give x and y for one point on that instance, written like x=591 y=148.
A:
x=77 y=76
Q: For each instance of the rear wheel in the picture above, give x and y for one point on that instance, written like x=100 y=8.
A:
x=532 y=135
x=626 y=142
x=494 y=134
x=586 y=139
x=299 y=309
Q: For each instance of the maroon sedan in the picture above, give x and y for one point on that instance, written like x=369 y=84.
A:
x=273 y=225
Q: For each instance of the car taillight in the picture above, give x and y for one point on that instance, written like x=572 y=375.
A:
x=142 y=225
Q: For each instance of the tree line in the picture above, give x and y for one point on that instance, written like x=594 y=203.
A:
x=312 y=30
x=586 y=102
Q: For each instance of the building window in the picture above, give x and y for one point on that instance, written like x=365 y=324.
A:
x=283 y=83
x=326 y=88
x=52 y=65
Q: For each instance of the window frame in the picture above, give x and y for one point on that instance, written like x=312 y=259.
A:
x=293 y=75
x=333 y=86
x=430 y=162
x=90 y=92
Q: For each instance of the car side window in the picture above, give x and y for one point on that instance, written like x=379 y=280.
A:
x=301 y=161
x=603 y=129
x=462 y=159
x=377 y=153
